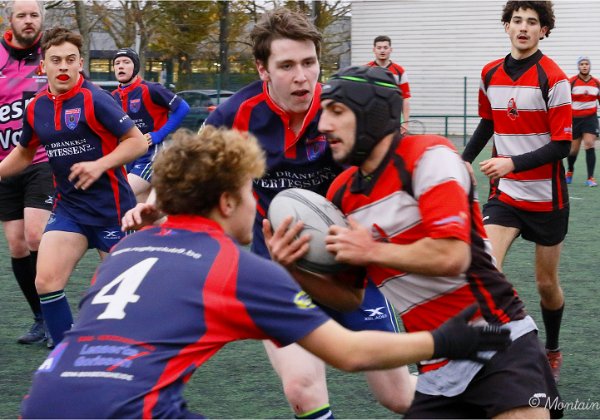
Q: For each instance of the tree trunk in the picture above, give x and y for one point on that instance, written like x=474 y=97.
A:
x=84 y=29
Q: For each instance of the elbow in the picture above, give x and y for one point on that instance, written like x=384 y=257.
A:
x=456 y=263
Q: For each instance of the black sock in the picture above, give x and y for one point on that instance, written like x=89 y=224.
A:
x=552 y=320
x=590 y=160
x=571 y=162
x=25 y=276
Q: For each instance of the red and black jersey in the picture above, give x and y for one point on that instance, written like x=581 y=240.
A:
x=585 y=96
x=411 y=196
x=530 y=105
x=400 y=76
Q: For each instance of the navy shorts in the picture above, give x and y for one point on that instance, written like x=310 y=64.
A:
x=587 y=124
x=517 y=377
x=374 y=313
x=34 y=187
x=102 y=238
x=547 y=228
x=142 y=166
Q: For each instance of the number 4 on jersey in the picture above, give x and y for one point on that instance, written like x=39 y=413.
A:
x=127 y=282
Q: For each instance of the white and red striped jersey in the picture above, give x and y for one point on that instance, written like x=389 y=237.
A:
x=422 y=189
x=400 y=76
x=530 y=107
x=585 y=96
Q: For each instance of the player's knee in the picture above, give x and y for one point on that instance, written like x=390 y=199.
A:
x=33 y=238
x=46 y=283
x=18 y=249
x=548 y=287
x=304 y=393
x=396 y=403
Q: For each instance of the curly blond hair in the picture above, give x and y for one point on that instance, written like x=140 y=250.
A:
x=192 y=172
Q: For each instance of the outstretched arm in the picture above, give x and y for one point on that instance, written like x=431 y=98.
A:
x=368 y=350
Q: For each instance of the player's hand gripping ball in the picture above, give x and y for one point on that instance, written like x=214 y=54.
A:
x=318 y=214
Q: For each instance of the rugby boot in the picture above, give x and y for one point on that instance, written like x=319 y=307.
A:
x=36 y=334
x=555 y=359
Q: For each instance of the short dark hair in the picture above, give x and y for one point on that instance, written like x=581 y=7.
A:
x=544 y=9
x=58 y=36
x=382 y=38
x=282 y=23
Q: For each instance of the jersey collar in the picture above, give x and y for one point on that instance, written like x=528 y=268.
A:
x=312 y=112
x=191 y=222
x=128 y=88
x=18 y=52
x=67 y=95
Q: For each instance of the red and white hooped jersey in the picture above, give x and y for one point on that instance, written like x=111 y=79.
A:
x=529 y=110
x=400 y=76
x=585 y=96
x=412 y=196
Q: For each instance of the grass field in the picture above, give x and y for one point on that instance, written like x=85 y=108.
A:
x=239 y=382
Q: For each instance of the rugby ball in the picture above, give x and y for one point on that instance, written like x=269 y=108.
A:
x=318 y=214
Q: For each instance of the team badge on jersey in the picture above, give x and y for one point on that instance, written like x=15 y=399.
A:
x=315 y=147
x=512 y=110
x=135 y=104
x=72 y=117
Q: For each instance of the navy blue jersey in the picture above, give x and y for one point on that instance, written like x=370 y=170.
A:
x=164 y=301
x=147 y=104
x=83 y=124
x=293 y=161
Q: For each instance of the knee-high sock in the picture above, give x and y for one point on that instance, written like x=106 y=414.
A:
x=552 y=320
x=25 y=274
x=590 y=160
x=57 y=314
x=571 y=163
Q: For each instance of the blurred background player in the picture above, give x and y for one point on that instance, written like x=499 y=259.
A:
x=222 y=293
x=528 y=190
x=88 y=139
x=25 y=198
x=148 y=105
x=416 y=227
x=382 y=48
x=585 y=93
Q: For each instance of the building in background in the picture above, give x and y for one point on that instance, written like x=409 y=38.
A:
x=443 y=45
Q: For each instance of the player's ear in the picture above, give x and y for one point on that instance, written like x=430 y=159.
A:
x=263 y=72
x=227 y=204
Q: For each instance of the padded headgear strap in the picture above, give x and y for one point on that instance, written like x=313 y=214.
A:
x=372 y=94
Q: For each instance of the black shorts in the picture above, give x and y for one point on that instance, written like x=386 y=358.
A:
x=587 y=124
x=517 y=377
x=547 y=228
x=34 y=187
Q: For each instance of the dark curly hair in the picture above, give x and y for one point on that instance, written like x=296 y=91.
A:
x=544 y=9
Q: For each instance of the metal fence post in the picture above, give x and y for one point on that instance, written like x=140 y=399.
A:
x=465 y=112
